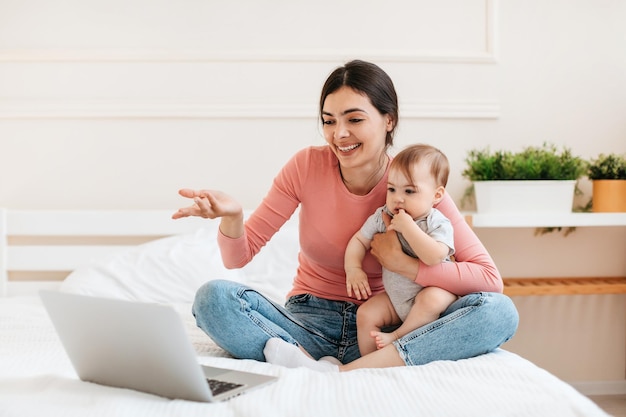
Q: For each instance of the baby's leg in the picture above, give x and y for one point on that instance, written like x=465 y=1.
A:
x=430 y=302
x=372 y=315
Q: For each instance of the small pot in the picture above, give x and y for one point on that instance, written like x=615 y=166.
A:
x=609 y=196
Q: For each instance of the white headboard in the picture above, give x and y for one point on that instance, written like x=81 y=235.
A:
x=52 y=243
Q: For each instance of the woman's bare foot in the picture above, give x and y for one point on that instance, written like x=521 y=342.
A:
x=383 y=339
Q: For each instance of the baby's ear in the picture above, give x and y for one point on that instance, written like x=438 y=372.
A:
x=439 y=193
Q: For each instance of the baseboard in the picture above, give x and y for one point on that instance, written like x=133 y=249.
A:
x=600 y=387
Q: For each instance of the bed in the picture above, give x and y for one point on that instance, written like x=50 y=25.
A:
x=146 y=257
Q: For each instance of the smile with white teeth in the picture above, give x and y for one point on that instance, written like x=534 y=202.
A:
x=348 y=148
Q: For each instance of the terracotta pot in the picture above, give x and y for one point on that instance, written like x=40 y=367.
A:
x=609 y=196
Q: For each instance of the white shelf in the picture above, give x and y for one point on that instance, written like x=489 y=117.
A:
x=546 y=219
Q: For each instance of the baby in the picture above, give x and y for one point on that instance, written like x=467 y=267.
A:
x=417 y=179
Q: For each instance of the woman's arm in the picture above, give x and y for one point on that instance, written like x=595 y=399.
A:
x=277 y=207
x=474 y=270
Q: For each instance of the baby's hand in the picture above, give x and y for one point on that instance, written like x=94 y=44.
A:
x=357 y=284
x=401 y=221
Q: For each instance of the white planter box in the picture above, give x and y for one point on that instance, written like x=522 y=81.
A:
x=524 y=196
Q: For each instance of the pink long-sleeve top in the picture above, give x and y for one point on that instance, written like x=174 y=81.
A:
x=330 y=215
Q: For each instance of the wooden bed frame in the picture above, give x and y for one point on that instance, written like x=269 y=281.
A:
x=39 y=248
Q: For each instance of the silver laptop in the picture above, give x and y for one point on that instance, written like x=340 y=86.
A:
x=140 y=346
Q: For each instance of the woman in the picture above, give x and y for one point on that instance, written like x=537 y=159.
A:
x=337 y=187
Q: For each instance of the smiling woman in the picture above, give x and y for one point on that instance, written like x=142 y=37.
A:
x=355 y=113
x=337 y=187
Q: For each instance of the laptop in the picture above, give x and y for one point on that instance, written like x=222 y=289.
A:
x=141 y=346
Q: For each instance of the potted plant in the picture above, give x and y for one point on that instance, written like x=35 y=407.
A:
x=608 y=178
x=536 y=179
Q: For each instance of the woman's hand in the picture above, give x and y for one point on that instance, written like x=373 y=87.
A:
x=209 y=204
x=387 y=250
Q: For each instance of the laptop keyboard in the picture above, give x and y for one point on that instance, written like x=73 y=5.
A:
x=218 y=387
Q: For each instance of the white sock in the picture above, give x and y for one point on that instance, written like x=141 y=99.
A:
x=330 y=359
x=279 y=352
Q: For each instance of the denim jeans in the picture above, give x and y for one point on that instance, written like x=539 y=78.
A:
x=240 y=320
x=474 y=324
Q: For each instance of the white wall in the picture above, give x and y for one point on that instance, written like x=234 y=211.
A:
x=117 y=104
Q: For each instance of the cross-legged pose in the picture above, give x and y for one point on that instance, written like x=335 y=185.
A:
x=337 y=186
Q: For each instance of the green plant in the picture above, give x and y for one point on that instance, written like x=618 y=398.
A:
x=544 y=162
x=607 y=167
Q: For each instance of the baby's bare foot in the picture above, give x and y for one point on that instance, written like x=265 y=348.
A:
x=383 y=339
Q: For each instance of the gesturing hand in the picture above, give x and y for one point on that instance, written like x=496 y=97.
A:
x=208 y=204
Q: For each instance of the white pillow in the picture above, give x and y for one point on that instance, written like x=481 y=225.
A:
x=170 y=270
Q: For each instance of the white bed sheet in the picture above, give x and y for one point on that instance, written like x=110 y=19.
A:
x=37 y=379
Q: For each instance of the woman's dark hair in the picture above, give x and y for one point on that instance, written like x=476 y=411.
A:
x=369 y=79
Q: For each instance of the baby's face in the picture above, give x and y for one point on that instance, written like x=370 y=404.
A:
x=415 y=195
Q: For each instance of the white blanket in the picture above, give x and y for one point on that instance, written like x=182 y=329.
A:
x=37 y=379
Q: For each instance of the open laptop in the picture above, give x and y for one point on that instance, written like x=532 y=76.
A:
x=140 y=346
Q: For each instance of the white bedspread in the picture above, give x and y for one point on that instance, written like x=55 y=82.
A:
x=37 y=379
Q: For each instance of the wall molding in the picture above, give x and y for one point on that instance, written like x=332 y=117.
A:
x=125 y=55
x=196 y=56
x=173 y=109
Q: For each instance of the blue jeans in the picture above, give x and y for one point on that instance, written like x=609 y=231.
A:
x=240 y=320
x=474 y=324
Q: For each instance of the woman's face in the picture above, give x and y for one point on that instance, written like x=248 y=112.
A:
x=354 y=128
